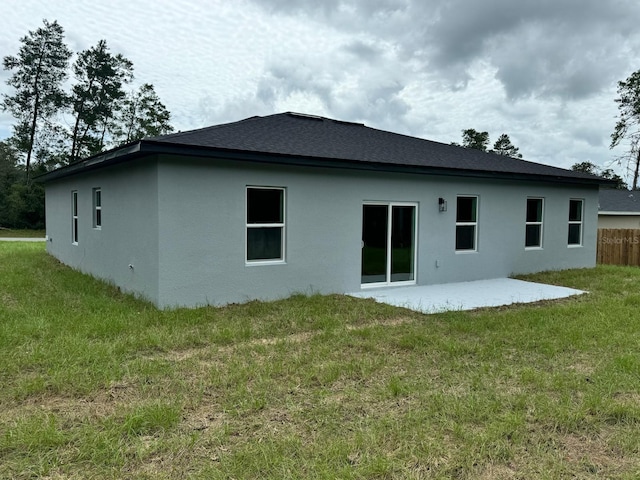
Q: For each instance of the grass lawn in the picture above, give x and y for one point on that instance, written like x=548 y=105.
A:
x=97 y=384
x=7 y=232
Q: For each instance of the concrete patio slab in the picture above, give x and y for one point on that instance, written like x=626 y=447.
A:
x=466 y=295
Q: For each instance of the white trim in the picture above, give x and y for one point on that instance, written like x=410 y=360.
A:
x=576 y=222
x=611 y=212
x=541 y=223
x=96 y=208
x=468 y=224
x=282 y=226
x=388 y=282
x=74 y=217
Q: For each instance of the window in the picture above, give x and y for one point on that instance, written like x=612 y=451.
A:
x=97 y=208
x=533 y=234
x=265 y=224
x=575 y=222
x=74 y=217
x=466 y=223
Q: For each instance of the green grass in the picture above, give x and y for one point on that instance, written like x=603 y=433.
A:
x=97 y=384
x=7 y=232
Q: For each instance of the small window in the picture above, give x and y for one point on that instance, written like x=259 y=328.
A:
x=466 y=223
x=74 y=217
x=265 y=224
x=97 y=208
x=533 y=233
x=575 y=223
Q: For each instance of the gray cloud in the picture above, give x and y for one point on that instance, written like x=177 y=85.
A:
x=548 y=48
x=363 y=51
x=542 y=71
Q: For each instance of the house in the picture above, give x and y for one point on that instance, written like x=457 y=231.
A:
x=619 y=209
x=269 y=206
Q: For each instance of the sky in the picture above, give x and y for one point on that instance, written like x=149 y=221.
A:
x=544 y=72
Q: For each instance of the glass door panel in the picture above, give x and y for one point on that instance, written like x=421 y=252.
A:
x=375 y=220
x=388 y=243
x=402 y=240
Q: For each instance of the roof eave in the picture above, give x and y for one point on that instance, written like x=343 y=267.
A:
x=149 y=147
x=617 y=213
x=110 y=157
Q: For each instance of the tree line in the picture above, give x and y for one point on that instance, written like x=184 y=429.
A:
x=471 y=138
x=626 y=132
x=65 y=111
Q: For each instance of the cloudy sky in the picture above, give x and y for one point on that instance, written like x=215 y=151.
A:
x=542 y=71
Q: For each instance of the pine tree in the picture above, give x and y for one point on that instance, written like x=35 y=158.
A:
x=96 y=97
x=143 y=115
x=503 y=146
x=39 y=69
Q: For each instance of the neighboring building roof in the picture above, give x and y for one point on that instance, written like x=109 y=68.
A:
x=619 y=202
x=298 y=139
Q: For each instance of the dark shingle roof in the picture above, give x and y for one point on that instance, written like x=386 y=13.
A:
x=611 y=200
x=293 y=138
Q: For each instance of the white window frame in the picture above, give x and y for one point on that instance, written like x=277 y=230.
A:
x=281 y=225
x=388 y=281
x=468 y=224
x=74 y=217
x=576 y=222
x=540 y=223
x=97 y=208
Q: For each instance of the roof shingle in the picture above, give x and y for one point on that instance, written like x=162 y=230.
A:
x=294 y=138
x=309 y=136
x=612 y=200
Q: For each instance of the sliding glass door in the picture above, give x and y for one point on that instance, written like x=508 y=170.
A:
x=388 y=243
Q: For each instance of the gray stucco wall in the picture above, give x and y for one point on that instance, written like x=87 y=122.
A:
x=180 y=222
x=202 y=229
x=129 y=232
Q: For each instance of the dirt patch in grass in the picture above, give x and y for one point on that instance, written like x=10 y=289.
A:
x=8 y=301
x=593 y=455
x=391 y=322
x=99 y=405
x=207 y=350
x=206 y=416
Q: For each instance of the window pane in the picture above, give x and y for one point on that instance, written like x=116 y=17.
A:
x=575 y=210
x=374 y=243
x=75 y=203
x=534 y=210
x=575 y=234
x=98 y=218
x=98 y=198
x=402 y=237
x=265 y=205
x=465 y=237
x=466 y=209
x=533 y=236
x=75 y=230
x=264 y=243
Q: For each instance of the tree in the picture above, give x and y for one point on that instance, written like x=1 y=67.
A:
x=21 y=204
x=628 y=125
x=95 y=97
x=585 y=167
x=142 y=115
x=611 y=175
x=474 y=139
x=592 y=169
x=503 y=146
x=39 y=70
x=9 y=174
